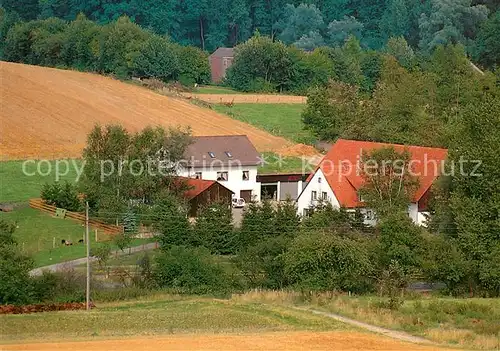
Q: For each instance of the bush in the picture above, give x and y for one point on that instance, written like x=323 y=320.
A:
x=156 y=59
x=122 y=241
x=326 y=261
x=392 y=282
x=402 y=241
x=193 y=65
x=62 y=196
x=171 y=222
x=262 y=264
x=193 y=270
x=102 y=252
x=214 y=229
x=15 y=286
x=258 y=224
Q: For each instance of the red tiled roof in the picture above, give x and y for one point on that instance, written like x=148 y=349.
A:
x=196 y=187
x=345 y=186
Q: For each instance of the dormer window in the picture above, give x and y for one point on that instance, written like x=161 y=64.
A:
x=228 y=154
x=211 y=154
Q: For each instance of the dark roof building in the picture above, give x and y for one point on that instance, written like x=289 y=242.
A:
x=221 y=150
x=200 y=192
x=220 y=60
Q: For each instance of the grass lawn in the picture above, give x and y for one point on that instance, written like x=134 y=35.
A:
x=16 y=185
x=278 y=119
x=276 y=164
x=161 y=315
x=214 y=89
x=36 y=231
x=469 y=323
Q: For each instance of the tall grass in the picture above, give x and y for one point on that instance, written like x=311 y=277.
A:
x=470 y=323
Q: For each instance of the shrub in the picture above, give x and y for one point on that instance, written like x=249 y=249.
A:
x=62 y=196
x=193 y=270
x=214 y=229
x=102 y=253
x=122 y=241
x=392 y=282
x=156 y=59
x=262 y=264
x=402 y=241
x=15 y=286
x=171 y=222
x=258 y=224
x=193 y=65
x=327 y=261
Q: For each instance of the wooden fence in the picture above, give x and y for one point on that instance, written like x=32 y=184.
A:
x=80 y=217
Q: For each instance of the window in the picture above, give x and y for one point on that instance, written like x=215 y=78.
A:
x=319 y=179
x=228 y=154
x=246 y=175
x=197 y=175
x=324 y=195
x=211 y=154
x=314 y=195
x=222 y=176
x=369 y=215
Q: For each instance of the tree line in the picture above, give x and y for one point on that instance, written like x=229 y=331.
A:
x=121 y=48
x=414 y=101
x=208 y=25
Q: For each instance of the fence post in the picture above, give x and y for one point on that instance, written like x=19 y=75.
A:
x=54 y=243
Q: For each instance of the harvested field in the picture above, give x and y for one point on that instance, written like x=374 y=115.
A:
x=47 y=112
x=248 y=98
x=337 y=340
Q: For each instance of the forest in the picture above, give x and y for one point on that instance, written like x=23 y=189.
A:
x=423 y=23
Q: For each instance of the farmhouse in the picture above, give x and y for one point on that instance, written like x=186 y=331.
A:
x=337 y=179
x=220 y=60
x=231 y=160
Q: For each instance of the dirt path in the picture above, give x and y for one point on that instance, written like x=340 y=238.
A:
x=387 y=332
x=289 y=341
x=248 y=98
x=73 y=263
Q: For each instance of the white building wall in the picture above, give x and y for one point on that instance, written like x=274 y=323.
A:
x=319 y=184
x=305 y=201
x=235 y=180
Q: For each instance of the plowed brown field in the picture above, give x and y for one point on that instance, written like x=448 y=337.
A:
x=47 y=113
x=264 y=341
x=248 y=98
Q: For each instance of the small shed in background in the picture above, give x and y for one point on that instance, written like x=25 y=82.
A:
x=201 y=192
x=220 y=60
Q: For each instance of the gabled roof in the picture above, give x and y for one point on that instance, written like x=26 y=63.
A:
x=223 y=52
x=225 y=149
x=196 y=186
x=345 y=186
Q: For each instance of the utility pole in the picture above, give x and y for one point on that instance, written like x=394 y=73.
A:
x=87 y=243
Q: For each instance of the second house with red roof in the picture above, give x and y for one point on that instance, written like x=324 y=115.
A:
x=337 y=179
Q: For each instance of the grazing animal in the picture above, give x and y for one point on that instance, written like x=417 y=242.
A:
x=63 y=242
x=80 y=241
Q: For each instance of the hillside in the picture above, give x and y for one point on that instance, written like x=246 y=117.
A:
x=47 y=113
